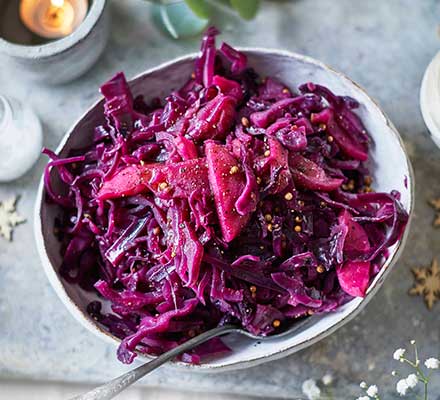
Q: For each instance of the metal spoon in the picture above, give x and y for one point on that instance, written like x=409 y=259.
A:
x=114 y=387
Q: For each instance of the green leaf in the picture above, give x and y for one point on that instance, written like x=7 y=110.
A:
x=247 y=9
x=200 y=7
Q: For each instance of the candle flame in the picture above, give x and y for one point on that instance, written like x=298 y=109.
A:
x=57 y=3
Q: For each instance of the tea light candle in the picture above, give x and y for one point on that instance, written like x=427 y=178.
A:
x=53 y=19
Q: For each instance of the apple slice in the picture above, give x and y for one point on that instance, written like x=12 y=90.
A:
x=227 y=181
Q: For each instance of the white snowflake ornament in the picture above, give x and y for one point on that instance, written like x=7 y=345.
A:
x=9 y=218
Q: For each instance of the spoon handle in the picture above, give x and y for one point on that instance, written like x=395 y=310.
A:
x=111 y=389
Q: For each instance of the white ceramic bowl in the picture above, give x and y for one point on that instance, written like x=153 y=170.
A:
x=390 y=165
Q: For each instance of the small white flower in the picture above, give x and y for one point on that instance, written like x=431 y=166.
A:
x=311 y=389
x=432 y=363
x=372 y=391
x=327 y=379
x=413 y=342
x=402 y=387
x=363 y=398
x=412 y=381
x=363 y=385
x=394 y=373
x=398 y=354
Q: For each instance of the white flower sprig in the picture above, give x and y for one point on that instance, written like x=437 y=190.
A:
x=311 y=389
x=406 y=385
x=321 y=389
x=410 y=385
x=371 y=390
x=399 y=354
x=432 y=363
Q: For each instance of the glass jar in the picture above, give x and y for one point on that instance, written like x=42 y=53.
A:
x=177 y=19
x=21 y=138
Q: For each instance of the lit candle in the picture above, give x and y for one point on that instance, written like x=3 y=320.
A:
x=53 y=19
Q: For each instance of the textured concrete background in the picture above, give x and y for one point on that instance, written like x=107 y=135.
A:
x=385 y=46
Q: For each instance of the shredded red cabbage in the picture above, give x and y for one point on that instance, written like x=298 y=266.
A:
x=233 y=200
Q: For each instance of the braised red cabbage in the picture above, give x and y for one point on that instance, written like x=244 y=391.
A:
x=233 y=200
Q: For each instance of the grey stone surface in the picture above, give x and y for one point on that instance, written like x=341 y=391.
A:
x=385 y=46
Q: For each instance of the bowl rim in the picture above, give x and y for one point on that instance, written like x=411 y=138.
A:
x=56 y=46
x=375 y=285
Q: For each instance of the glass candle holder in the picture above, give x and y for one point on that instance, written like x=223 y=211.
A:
x=177 y=19
x=21 y=138
x=48 y=59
